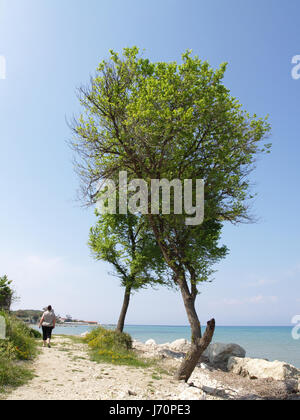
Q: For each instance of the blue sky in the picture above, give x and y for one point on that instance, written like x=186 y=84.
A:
x=52 y=47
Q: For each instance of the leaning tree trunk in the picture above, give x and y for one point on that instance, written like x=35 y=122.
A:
x=199 y=343
x=121 y=321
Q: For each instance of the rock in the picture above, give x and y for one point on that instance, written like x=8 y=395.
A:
x=132 y=393
x=84 y=334
x=180 y=345
x=192 y=393
x=150 y=343
x=218 y=392
x=165 y=345
x=204 y=366
x=292 y=386
x=170 y=353
x=260 y=369
x=218 y=354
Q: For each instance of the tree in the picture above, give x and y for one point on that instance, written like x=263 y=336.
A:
x=125 y=242
x=6 y=293
x=165 y=121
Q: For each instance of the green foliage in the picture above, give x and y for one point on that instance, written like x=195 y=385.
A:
x=110 y=346
x=31 y=314
x=126 y=243
x=169 y=120
x=117 y=358
x=18 y=345
x=20 y=336
x=8 y=350
x=12 y=374
x=174 y=121
x=6 y=293
x=103 y=338
x=34 y=333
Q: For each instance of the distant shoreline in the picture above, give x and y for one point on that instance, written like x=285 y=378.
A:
x=70 y=324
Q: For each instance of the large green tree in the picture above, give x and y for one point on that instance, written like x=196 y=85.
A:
x=172 y=121
x=125 y=242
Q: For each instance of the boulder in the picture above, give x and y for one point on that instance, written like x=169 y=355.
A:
x=180 y=345
x=204 y=366
x=260 y=369
x=150 y=343
x=218 y=354
x=84 y=334
x=192 y=393
x=171 y=353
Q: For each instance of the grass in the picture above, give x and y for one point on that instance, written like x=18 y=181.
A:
x=13 y=375
x=156 y=377
x=109 y=346
x=74 y=338
x=118 y=358
x=19 y=346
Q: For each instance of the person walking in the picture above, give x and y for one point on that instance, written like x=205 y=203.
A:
x=47 y=323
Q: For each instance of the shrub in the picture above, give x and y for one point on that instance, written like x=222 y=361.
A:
x=7 y=350
x=20 y=336
x=34 y=333
x=108 y=339
x=111 y=346
x=20 y=344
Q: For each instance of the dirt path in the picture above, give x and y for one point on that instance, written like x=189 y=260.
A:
x=65 y=372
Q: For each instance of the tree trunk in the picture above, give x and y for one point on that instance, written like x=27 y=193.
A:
x=189 y=303
x=121 y=321
x=198 y=343
x=191 y=359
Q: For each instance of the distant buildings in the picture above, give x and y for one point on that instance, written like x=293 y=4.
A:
x=70 y=321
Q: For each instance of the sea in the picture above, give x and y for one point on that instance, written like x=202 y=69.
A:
x=272 y=343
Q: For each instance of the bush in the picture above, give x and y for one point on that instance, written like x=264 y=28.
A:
x=20 y=344
x=111 y=346
x=108 y=339
x=34 y=333
x=20 y=336
x=7 y=350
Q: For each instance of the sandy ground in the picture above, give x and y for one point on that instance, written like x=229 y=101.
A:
x=65 y=372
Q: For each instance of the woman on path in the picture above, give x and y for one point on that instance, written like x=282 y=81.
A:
x=47 y=323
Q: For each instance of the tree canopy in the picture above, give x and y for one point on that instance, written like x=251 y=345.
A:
x=159 y=120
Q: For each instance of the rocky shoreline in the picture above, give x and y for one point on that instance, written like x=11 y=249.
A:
x=223 y=371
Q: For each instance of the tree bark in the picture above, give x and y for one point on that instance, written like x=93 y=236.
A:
x=121 y=321
x=197 y=348
x=189 y=303
x=198 y=343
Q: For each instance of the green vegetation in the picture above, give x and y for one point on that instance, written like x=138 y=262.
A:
x=164 y=120
x=109 y=346
x=6 y=293
x=126 y=242
x=28 y=315
x=20 y=345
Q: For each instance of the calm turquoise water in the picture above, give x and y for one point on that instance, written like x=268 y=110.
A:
x=273 y=343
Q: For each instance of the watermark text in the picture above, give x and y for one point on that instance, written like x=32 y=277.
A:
x=154 y=198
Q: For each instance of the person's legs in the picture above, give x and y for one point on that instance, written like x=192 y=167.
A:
x=44 y=336
x=49 y=333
